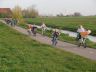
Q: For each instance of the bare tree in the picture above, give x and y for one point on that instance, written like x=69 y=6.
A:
x=25 y=13
x=30 y=12
x=17 y=14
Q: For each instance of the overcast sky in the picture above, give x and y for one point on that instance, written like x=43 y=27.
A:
x=86 y=7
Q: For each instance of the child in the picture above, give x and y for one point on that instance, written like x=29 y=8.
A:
x=80 y=29
x=29 y=29
x=43 y=27
x=33 y=29
x=55 y=35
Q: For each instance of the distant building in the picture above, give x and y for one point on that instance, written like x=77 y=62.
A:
x=5 y=12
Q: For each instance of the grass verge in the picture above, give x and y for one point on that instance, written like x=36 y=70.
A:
x=19 y=53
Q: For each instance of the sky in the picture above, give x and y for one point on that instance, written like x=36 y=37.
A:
x=53 y=7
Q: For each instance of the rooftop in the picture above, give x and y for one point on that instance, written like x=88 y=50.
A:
x=5 y=10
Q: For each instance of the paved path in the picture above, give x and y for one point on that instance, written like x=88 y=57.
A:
x=85 y=52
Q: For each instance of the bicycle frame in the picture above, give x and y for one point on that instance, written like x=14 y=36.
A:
x=82 y=41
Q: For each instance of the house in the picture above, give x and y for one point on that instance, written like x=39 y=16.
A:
x=5 y=12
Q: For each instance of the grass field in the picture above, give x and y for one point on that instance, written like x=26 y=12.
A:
x=19 y=53
x=67 y=23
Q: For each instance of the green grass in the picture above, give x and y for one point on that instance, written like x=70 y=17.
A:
x=19 y=53
x=67 y=23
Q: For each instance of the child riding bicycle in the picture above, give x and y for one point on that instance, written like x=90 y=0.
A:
x=55 y=35
x=82 y=40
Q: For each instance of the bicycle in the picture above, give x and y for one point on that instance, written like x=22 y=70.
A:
x=82 y=40
x=54 y=41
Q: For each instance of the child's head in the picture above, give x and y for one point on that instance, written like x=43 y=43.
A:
x=81 y=26
x=89 y=31
x=55 y=30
